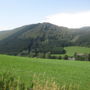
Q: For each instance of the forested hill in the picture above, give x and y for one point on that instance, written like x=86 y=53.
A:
x=42 y=37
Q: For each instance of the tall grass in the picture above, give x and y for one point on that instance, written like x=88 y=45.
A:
x=10 y=82
x=53 y=86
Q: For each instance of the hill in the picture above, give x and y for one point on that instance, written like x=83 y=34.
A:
x=42 y=37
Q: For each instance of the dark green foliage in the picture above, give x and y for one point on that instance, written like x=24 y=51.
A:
x=42 y=38
x=89 y=57
x=48 y=55
x=32 y=54
x=65 y=57
x=59 y=57
x=41 y=55
x=38 y=38
x=82 y=37
x=82 y=57
x=56 y=57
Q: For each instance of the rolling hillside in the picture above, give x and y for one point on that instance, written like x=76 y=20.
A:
x=42 y=36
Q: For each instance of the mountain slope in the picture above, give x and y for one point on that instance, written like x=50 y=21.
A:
x=41 y=37
x=82 y=36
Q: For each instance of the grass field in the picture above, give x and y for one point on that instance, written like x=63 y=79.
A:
x=72 y=49
x=63 y=72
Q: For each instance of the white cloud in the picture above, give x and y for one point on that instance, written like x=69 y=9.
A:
x=4 y=28
x=71 y=20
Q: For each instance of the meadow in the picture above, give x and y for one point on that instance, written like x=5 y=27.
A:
x=63 y=72
x=71 y=50
x=74 y=49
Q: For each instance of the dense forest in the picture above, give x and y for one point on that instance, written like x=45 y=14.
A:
x=42 y=38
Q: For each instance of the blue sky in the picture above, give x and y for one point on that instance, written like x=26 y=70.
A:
x=14 y=13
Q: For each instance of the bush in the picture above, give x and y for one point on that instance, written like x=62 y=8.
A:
x=56 y=57
x=41 y=55
x=65 y=57
x=32 y=54
x=82 y=57
x=48 y=55
x=88 y=57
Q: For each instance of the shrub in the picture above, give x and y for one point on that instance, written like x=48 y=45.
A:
x=65 y=57
x=41 y=55
x=48 y=55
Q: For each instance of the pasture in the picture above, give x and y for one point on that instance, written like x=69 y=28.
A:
x=63 y=72
x=74 y=49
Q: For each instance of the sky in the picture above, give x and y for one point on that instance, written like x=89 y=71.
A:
x=68 y=13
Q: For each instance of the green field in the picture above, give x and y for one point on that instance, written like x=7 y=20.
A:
x=63 y=72
x=72 y=49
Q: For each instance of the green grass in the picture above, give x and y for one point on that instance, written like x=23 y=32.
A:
x=63 y=72
x=72 y=49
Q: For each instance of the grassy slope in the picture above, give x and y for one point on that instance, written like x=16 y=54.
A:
x=5 y=34
x=72 y=49
x=62 y=71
